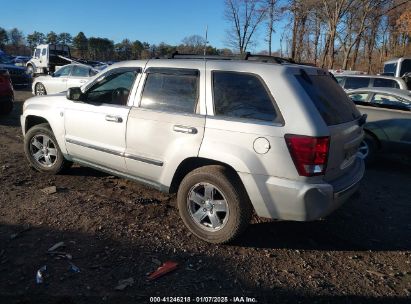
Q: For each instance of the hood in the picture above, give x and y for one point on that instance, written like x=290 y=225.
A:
x=46 y=101
x=10 y=67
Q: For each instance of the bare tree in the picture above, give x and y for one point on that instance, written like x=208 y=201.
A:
x=244 y=17
x=272 y=16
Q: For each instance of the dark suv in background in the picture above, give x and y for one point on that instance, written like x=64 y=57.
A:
x=18 y=75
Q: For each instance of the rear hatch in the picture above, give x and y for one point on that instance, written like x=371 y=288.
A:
x=340 y=115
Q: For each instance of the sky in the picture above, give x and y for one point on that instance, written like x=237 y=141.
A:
x=151 y=21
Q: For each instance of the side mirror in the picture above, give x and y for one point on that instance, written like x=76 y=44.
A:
x=74 y=94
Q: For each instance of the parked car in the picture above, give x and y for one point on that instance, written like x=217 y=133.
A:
x=6 y=93
x=397 y=67
x=71 y=75
x=228 y=136
x=18 y=75
x=388 y=124
x=352 y=82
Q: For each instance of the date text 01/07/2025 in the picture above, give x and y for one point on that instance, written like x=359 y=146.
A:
x=200 y=299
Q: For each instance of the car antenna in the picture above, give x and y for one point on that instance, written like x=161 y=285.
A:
x=206 y=41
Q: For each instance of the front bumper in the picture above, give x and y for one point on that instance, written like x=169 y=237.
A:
x=284 y=199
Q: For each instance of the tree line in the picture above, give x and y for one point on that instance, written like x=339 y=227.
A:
x=103 y=49
x=347 y=34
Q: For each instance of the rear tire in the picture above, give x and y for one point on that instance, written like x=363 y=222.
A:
x=42 y=150
x=213 y=204
x=368 y=148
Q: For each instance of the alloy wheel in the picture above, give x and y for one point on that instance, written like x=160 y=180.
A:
x=207 y=206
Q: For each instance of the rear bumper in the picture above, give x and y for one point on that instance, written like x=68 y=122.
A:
x=279 y=198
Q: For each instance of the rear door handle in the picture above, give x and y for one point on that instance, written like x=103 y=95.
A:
x=185 y=129
x=114 y=118
x=83 y=81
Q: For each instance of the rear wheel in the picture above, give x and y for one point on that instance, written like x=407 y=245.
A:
x=42 y=150
x=368 y=148
x=39 y=89
x=213 y=204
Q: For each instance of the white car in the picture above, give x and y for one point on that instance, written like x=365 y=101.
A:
x=68 y=76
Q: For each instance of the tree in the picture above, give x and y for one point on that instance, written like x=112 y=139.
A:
x=244 y=17
x=51 y=37
x=136 y=49
x=124 y=49
x=80 y=43
x=100 y=48
x=35 y=39
x=193 y=44
x=16 y=37
x=65 y=38
x=4 y=38
x=271 y=18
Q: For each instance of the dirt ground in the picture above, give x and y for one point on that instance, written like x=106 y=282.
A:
x=114 y=229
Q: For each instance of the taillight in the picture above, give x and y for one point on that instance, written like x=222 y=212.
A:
x=310 y=154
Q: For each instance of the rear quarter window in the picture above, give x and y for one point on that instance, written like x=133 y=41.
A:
x=242 y=95
x=329 y=98
x=385 y=83
x=356 y=82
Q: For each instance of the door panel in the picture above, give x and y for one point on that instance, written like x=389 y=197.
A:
x=165 y=128
x=157 y=142
x=95 y=133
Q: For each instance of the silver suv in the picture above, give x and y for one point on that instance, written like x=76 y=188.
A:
x=229 y=136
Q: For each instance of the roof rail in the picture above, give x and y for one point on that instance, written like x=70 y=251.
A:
x=246 y=56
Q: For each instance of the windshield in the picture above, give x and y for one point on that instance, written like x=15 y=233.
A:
x=390 y=68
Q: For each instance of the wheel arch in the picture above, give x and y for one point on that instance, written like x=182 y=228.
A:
x=33 y=120
x=375 y=137
x=192 y=163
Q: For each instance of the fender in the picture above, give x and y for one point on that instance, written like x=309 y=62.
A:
x=53 y=115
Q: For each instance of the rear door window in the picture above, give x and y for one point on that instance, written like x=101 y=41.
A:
x=359 y=98
x=329 y=98
x=242 y=95
x=356 y=82
x=385 y=83
x=79 y=71
x=171 y=91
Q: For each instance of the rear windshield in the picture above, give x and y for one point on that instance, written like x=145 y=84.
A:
x=329 y=98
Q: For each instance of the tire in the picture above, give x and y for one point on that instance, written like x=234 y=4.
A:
x=368 y=148
x=214 y=187
x=39 y=89
x=30 y=70
x=42 y=150
x=6 y=107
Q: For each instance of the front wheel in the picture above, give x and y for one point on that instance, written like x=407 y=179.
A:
x=39 y=89
x=42 y=150
x=213 y=204
x=30 y=70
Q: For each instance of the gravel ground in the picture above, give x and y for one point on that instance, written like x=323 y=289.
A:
x=114 y=229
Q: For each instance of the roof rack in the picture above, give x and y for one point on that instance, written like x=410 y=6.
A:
x=246 y=56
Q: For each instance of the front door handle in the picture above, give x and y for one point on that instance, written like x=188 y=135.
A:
x=184 y=129
x=114 y=118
